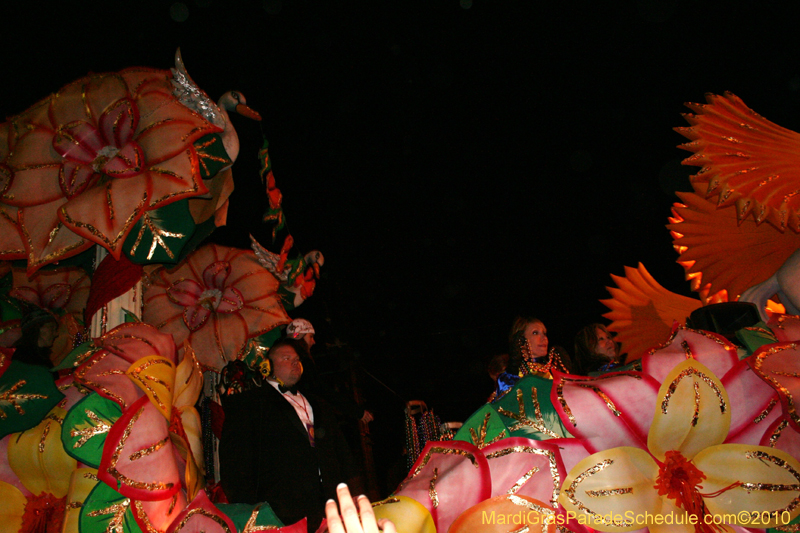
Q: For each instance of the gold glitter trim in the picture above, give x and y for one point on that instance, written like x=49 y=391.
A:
x=702 y=333
x=583 y=476
x=771 y=487
x=551 y=459
x=13 y=399
x=85 y=434
x=385 y=502
x=758 y=363
x=686 y=350
x=117 y=512
x=772 y=403
x=432 y=494
x=480 y=441
x=149 y=450
x=776 y=434
x=251 y=526
x=207 y=514
x=522 y=419
x=703 y=377
x=611 y=492
x=144 y=381
x=429 y=455
x=112 y=466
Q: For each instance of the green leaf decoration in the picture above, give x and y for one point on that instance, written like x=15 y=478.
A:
x=484 y=427
x=27 y=394
x=130 y=316
x=252 y=516
x=160 y=235
x=528 y=412
x=201 y=231
x=107 y=511
x=86 y=426
x=755 y=336
x=523 y=411
x=259 y=346
x=212 y=155
x=78 y=355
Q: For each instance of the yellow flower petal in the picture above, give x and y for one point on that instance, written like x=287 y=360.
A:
x=80 y=485
x=612 y=488
x=155 y=375
x=692 y=412
x=12 y=507
x=406 y=513
x=188 y=379
x=38 y=458
x=770 y=477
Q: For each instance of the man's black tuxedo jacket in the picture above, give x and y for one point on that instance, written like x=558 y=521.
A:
x=265 y=455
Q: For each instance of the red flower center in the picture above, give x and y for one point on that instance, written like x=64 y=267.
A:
x=43 y=513
x=679 y=479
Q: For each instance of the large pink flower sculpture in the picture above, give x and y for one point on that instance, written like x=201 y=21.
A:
x=63 y=290
x=82 y=166
x=216 y=299
x=674 y=438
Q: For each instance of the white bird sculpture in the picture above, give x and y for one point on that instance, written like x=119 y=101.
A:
x=193 y=97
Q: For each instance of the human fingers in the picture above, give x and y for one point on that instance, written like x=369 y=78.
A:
x=386 y=525
x=368 y=522
x=352 y=524
x=333 y=518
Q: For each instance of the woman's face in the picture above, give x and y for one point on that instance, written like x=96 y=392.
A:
x=605 y=344
x=536 y=335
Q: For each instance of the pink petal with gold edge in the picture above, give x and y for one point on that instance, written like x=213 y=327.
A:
x=221 y=340
x=168 y=120
x=782 y=436
x=36 y=167
x=138 y=456
x=75 y=178
x=135 y=340
x=231 y=301
x=215 y=274
x=86 y=99
x=119 y=121
x=46 y=238
x=175 y=179
x=195 y=317
x=60 y=289
x=185 y=292
x=104 y=373
x=80 y=142
x=779 y=366
x=72 y=394
x=785 y=327
x=201 y=516
x=143 y=79
x=754 y=405
x=606 y=412
x=440 y=475
x=525 y=467
x=157 y=515
x=106 y=214
x=571 y=451
x=11 y=244
x=712 y=350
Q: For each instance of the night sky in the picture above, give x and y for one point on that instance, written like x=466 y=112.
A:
x=457 y=162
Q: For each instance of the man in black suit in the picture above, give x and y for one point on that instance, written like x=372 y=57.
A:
x=282 y=446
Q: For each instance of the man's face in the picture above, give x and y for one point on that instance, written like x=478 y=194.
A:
x=286 y=365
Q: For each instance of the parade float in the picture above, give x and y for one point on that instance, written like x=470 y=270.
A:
x=115 y=322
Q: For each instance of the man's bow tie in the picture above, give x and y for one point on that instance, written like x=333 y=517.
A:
x=292 y=389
